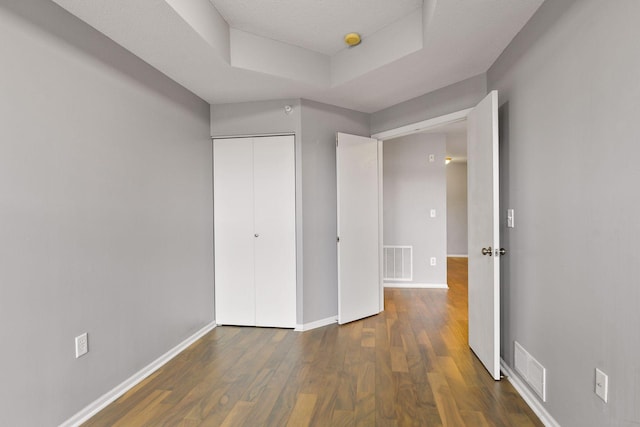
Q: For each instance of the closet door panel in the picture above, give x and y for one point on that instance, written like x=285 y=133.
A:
x=275 y=246
x=233 y=231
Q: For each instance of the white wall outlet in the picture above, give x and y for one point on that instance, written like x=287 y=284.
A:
x=432 y=158
x=602 y=385
x=510 y=218
x=82 y=345
x=432 y=261
x=432 y=213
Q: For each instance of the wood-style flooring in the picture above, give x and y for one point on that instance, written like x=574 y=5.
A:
x=407 y=366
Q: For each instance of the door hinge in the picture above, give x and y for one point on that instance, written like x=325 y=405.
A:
x=338 y=239
x=336 y=140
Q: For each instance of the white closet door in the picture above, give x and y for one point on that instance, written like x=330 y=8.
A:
x=275 y=241
x=233 y=231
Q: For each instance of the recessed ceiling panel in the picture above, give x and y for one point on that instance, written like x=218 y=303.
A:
x=319 y=25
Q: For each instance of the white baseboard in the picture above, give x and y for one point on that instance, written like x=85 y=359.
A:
x=100 y=403
x=417 y=285
x=528 y=396
x=317 y=324
x=457 y=256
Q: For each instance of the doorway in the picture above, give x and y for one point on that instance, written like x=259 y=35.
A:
x=483 y=222
x=425 y=207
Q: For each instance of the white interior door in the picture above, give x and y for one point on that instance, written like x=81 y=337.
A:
x=234 y=231
x=275 y=231
x=484 y=237
x=358 y=179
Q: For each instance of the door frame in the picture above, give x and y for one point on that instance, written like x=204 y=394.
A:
x=415 y=128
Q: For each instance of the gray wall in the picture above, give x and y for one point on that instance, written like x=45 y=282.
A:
x=262 y=118
x=105 y=176
x=412 y=187
x=457 y=208
x=320 y=122
x=255 y=118
x=456 y=97
x=315 y=126
x=570 y=103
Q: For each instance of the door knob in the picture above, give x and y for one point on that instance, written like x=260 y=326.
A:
x=501 y=251
x=256 y=235
x=487 y=251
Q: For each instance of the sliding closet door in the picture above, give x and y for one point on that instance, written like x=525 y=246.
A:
x=275 y=241
x=233 y=231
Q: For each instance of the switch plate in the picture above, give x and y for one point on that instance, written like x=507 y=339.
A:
x=432 y=261
x=82 y=345
x=602 y=385
x=432 y=213
x=432 y=158
x=510 y=218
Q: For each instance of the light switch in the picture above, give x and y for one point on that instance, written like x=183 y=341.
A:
x=432 y=213
x=432 y=158
x=602 y=385
x=510 y=219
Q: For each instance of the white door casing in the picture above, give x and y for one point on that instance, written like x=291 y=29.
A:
x=484 y=232
x=358 y=161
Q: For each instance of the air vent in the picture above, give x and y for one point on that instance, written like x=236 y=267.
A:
x=398 y=263
x=531 y=370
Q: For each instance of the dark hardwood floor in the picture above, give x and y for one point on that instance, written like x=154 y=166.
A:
x=408 y=366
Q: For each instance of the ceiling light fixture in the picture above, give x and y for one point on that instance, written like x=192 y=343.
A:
x=352 y=39
x=447 y=160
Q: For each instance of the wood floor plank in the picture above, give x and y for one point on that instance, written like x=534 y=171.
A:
x=238 y=415
x=302 y=412
x=407 y=366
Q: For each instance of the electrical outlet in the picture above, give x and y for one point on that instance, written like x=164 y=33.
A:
x=432 y=261
x=602 y=385
x=82 y=345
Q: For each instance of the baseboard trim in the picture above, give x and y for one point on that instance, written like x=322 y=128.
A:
x=317 y=324
x=417 y=285
x=107 y=398
x=528 y=396
x=457 y=256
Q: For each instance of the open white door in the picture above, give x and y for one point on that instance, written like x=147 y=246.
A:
x=358 y=177
x=484 y=233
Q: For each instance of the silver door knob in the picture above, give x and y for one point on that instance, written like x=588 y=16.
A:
x=501 y=251
x=487 y=251
x=256 y=235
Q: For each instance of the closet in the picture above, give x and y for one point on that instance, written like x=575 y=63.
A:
x=254 y=231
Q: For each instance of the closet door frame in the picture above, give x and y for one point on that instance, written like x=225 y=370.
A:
x=271 y=295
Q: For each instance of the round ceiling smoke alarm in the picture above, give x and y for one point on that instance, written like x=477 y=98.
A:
x=352 y=39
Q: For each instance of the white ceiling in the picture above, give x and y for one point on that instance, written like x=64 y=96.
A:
x=189 y=41
x=316 y=25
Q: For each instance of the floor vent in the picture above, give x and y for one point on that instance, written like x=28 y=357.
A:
x=531 y=370
x=398 y=263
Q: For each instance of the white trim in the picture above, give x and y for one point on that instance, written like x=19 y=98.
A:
x=317 y=324
x=254 y=135
x=528 y=396
x=423 y=125
x=457 y=256
x=417 y=285
x=100 y=403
